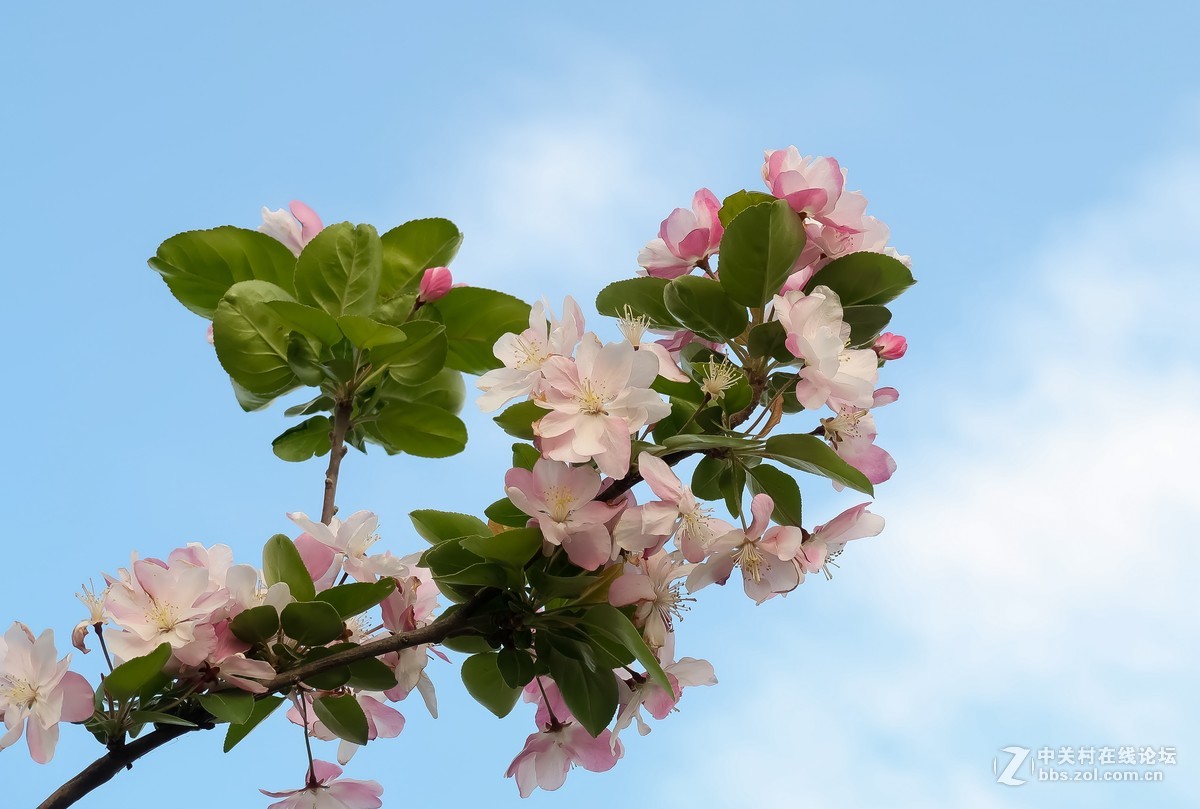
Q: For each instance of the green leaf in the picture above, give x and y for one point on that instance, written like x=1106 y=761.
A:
x=866 y=322
x=255 y=625
x=234 y=707
x=282 y=563
x=303 y=360
x=312 y=623
x=357 y=597
x=503 y=512
x=159 y=718
x=700 y=304
x=515 y=547
x=782 y=489
x=758 y=251
x=516 y=667
x=308 y=320
x=248 y=401
x=364 y=332
x=517 y=420
x=128 y=678
x=810 y=454
x=251 y=339
x=263 y=707
x=481 y=675
x=422 y=430
x=315 y=405
x=706 y=479
x=438 y=526
x=419 y=358
x=739 y=201
x=340 y=270
x=859 y=278
x=445 y=390
x=524 y=456
x=200 y=266
x=412 y=248
x=306 y=439
x=475 y=318
x=610 y=622
x=371 y=674
x=590 y=693
x=343 y=716
x=644 y=297
x=770 y=340
x=738 y=443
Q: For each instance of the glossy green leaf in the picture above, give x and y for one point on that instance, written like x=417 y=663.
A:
x=255 y=625
x=700 y=304
x=308 y=320
x=524 y=456
x=439 y=526
x=590 y=693
x=233 y=706
x=159 y=718
x=860 y=278
x=340 y=269
x=758 y=250
x=263 y=707
x=421 y=356
x=303 y=360
x=644 y=296
x=412 y=248
x=516 y=667
x=503 y=512
x=610 y=622
x=736 y=443
x=251 y=339
x=445 y=390
x=200 y=266
x=312 y=623
x=357 y=597
x=706 y=479
x=782 y=489
x=371 y=674
x=866 y=322
x=343 y=716
x=769 y=340
x=517 y=420
x=127 y=679
x=739 y=201
x=306 y=439
x=422 y=430
x=475 y=318
x=364 y=332
x=282 y=563
x=810 y=454
x=515 y=547
x=481 y=675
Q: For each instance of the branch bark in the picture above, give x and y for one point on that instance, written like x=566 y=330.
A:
x=337 y=450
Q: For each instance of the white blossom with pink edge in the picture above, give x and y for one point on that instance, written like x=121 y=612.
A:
x=152 y=604
x=561 y=499
x=526 y=353
x=676 y=509
x=851 y=433
x=634 y=327
x=293 y=230
x=352 y=538
x=549 y=754
x=811 y=185
x=685 y=238
x=328 y=790
x=652 y=584
x=764 y=574
x=597 y=402
x=97 y=616
x=827 y=541
x=817 y=334
x=36 y=692
x=644 y=692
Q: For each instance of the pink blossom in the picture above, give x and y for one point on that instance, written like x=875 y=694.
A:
x=548 y=755
x=228 y=663
x=685 y=238
x=596 y=402
x=676 y=509
x=827 y=541
x=526 y=353
x=644 y=692
x=293 y=230
x=326 y=790
x=890 y=346
x=352 y=538
x=764 y=573
x=96 y=616
x=383 y=721
x=34 y=687
x=811 y=185
x=634 y=328
x=851 y=433
x=817 y=334
x=562 y=501
x=435 y=283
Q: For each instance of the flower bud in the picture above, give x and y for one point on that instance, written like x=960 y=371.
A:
x=890 y=346
x=435 y=283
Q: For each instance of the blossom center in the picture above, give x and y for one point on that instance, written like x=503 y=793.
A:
x=633 y=326
x=751 y=560
x=842 y=426
x=695 y=522
x=592 y=398
x=21 y=693
x=559 y=500
x=163 y=616
x=530 y=355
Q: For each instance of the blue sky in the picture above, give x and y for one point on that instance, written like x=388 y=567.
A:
x=1038 y=161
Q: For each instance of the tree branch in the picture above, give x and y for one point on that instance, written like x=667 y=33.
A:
x=102 y=770
x=337 y=450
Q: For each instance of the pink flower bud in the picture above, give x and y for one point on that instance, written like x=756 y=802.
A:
x=890 y=346
x=435 y=283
